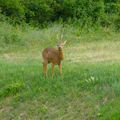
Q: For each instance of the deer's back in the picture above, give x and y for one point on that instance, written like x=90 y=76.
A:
x=51 y=55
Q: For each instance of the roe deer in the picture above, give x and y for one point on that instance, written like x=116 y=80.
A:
x=54 y=56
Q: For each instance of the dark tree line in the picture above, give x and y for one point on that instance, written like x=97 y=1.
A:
x=104 y=12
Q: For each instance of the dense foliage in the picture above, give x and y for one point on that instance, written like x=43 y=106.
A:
x=103 y=12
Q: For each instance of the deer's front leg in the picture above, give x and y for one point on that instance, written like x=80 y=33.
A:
x=60 y=67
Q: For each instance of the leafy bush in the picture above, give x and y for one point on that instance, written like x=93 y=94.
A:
x=13 y=8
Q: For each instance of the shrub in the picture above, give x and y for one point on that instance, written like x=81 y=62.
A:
x=11 y=89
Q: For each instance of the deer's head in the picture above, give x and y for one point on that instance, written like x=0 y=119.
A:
x=61 y=45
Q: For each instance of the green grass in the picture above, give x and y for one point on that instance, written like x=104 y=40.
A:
x=85 y=92
x=88 y=90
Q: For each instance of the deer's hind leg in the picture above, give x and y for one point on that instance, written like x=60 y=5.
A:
x=45 y=67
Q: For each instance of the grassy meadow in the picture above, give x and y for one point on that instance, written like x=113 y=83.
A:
x=89 y=88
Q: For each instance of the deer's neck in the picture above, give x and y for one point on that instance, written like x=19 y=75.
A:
x=61 y=54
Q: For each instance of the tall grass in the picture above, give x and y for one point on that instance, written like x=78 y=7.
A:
x=26 y=37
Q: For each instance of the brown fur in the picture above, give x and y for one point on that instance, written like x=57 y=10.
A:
x=54 y=56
